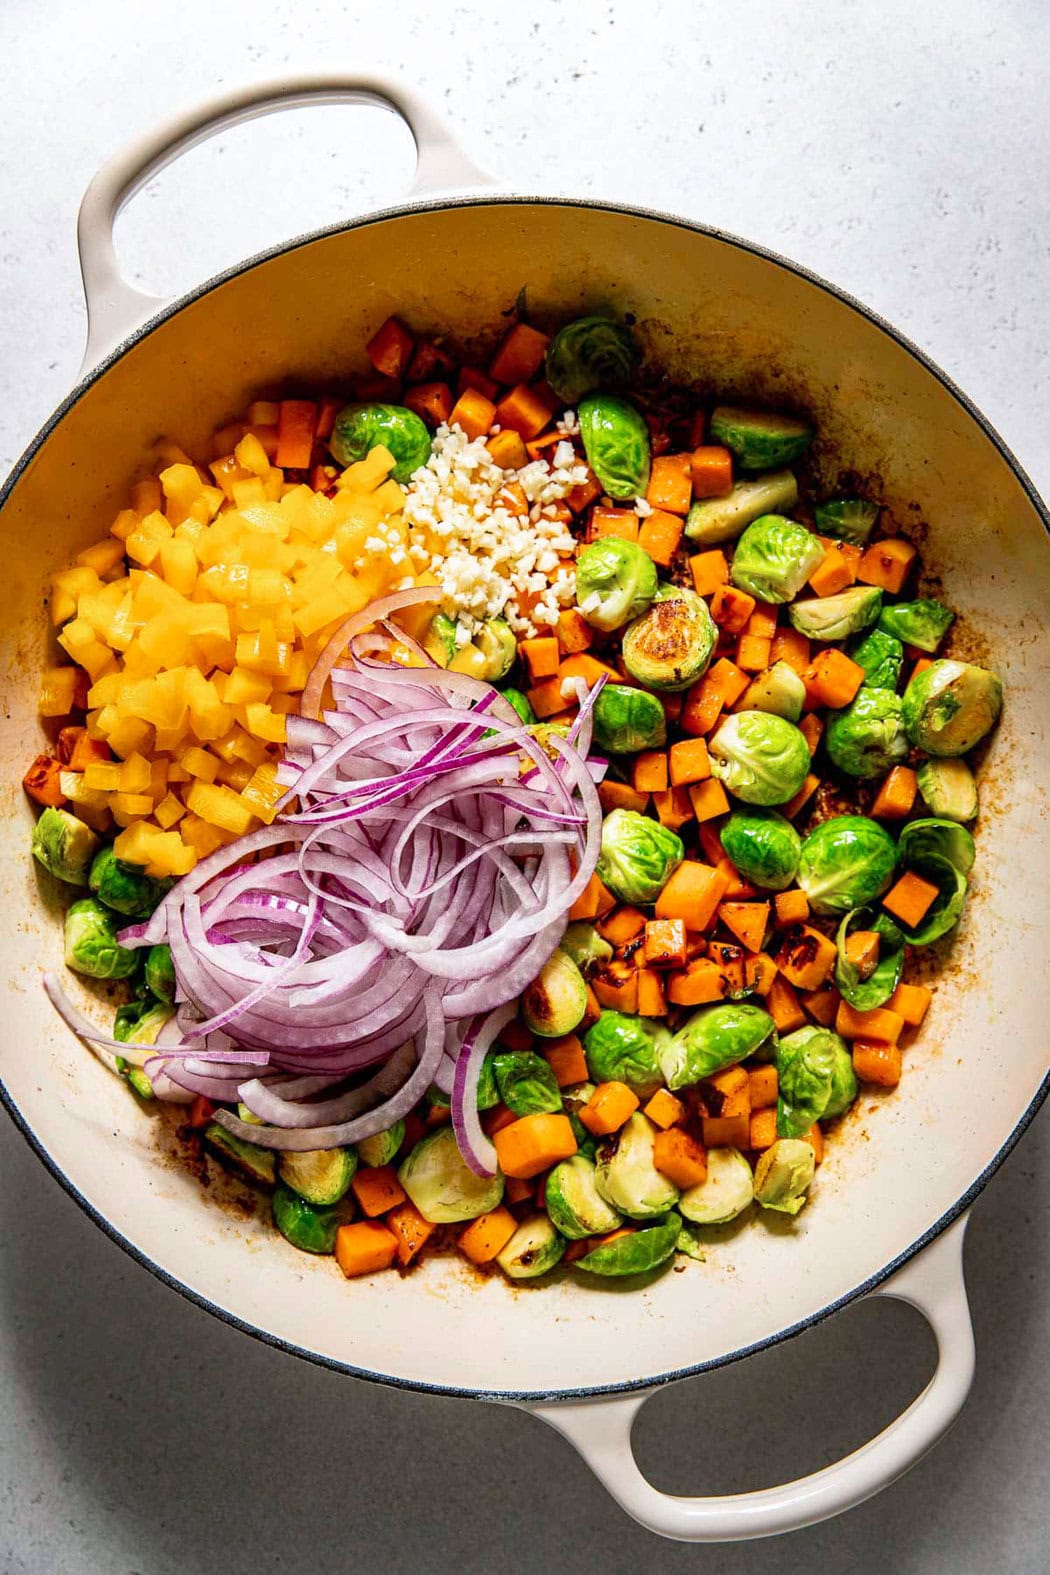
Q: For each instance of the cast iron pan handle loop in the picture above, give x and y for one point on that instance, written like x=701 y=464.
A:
x=115 y=308
x=601 y=1429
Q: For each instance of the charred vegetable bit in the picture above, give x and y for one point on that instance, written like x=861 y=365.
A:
x=650 y=913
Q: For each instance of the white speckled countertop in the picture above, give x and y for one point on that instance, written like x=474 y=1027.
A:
x=901 y=151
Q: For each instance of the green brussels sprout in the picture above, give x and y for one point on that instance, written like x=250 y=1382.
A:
x=950 y=706
x=815 y=1079
x=625 y=1175
x=542 y=733
x=762 y=846
x=140 y=1021
x=534 y=1249
x=556 y=1000
x=439 y=640
x=590 y=353
x=783 y=1174
x=320 y=1175
x=91 y=945
x=947 y=907
x=949 y=788
x=487 y=1094
x=712 y=521
x=440 y=1183
x=520 y=703
x=622 y=1049
x=847 y=519
x=846 y=863
x=576 y=1207
x=882 y=656
x=864 y=992
x=64 y=846
x=526 y=1083
x=936 y=838
x=136 y=1078
x=774 y=558
x=690 y=1243
x=381 y=1147
x=836 y=617
x=615 y=582
x=669 y=647
x=759 y=757
x=867 y=737
x=585 y=946
x=639 y=1253
x=360 y=428
x=760 y=439
x=725 y=1192
x=250 y=1159
x=922 y=624
x=779 y=690
x=126 y=888
x=304 y=1226
x=638 y=856
x=627 y=720
x=573 y=1100
x=496 y=642
x=616 y=442
x=160 y=972
x=712 y=1039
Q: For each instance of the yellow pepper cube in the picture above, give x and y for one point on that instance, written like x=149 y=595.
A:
x=181 y=483
x=219 y=806
x=103 y=776
x=251 y=455
x=201 y=837
x=158 y=777
x=147 y=496
x=102 y=556
x=244 y=686
x=247 y=493
x=178 y=564
x=169 y=811
x=131 y=804
x=263 y=793
x=237 y=775
x=57 y=688
x=264 y=723
x=199 y=763
x=135 y=774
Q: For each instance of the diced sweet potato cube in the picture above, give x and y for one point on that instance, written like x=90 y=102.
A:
x=708 y=799
x=762 y=1129
x=700 y=982
x=674 y=807
x=875 y=1061
x=689 y=762
x=782 y=1004
x=886 y=563
x=748 y=921
x=566 y=1060
x=608 y=1108
x=806 y=957
x=911 y=1002
x=709 y=571
x=665 y=943
x=880 y=1023
x=664 y=1110
x=692 y=894
x=792 y=907
x=910 y=899
x=896 y=796
x=679 y=1157
x=762 y=1086
x=671 y=483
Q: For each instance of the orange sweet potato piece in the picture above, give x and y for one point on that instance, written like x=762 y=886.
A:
x=679 y=1157
x=762 y=1129
x=541 y=656
x=674 y=807
x=711 y=470
x=880 y=1023
x=390 y=349
x=377 y=1189
x=566 y=1060
x=664 y=1110
x=709 y=570
x=911 y=1002
x=534 y=1143
x=806 y=957
x=689 y=762
x=748 y=921
x=792 y=907
x=886 y=563
x=487 y=1235
x=910 y=898
x=622 y=926
x=731 y=609
x=832 y=574
x=42 y=782
x=659 y=535
x=708 y=799
x=523 y=411
x=692 y=894
x=620 y=795
x=782 y=1004
x=832 y=680
x=574 y=632
x=665 y=943
x=896 y=796
x=520 y=355
x=652 y=998
x=875 y=1061
x=762 y=1086
x=411 y=1231
x=649 y=771
x=364 y=1247
x=608 y=1108
x=473 y=412
x=670 y=483
x=622 y=523
x=700 y=982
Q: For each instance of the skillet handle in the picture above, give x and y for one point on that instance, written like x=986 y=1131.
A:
x=601 y=1429
x=115 y=308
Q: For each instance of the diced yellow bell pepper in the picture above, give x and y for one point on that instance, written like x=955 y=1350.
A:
x=251 y=455
x=57 y=688
x=263 y=792
x=219 y=806
x=199 y=763
x=169 y=811
x=131 y=806
x=102 y=556
x=178 y=564
x=135 y=775
x=244 y=686
x=147 y=496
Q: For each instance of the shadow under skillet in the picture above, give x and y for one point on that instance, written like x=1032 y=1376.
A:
x=151 y=1427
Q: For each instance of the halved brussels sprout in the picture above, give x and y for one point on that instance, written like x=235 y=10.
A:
x=778 y=690
x=628 y=719
x=487 y=1094
x=836 y=617
x=847 y=519
x=573 y=1201
x=160 y=972
x=615 y=582
x=585 y=946
x=762 y=846
x=360 y=428
x=616 y=442
x=669 y=647
x=947 y=907
x=759 y=757
x=526 y=1083
x=846 y=863
x=876 y=988
x=137 y=1080
x=520 y=704
x=922 y=624
x=140 y=1022
x=713 y=1038
x=724 y=1193
x=64 y=846
x=256 y=1163
x=783 y=1174
x=936 y=838
x=304 y=1226
x=556 y=1000
x=760 y=439
x=623 y=1049
x=942 y=852
x=774 y=558
x=439 y=639
x=638 y=856
x=495 y=640
x=320 y=1175
x=573 y=1099
x=815 y=1079
x=712 y=521
x=126 y=888
x=534 y=1249
x=882 y=656
x=625 y=1175
x=950 y=706
x=867 y=738
x=91 y=945
x=381 y=1147
x=440 y=1183
x=949 y=788
x=590 y=353
x=639 y=1253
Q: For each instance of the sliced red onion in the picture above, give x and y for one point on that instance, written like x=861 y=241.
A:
x=478 y=1150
